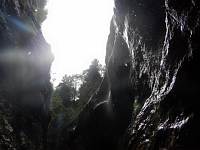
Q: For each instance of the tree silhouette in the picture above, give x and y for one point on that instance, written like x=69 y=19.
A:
x=91 y=80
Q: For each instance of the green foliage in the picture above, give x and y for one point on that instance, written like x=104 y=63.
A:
x=74 y=91
x=67 y=89
x=91 y=80
x=58 y=109
x=69 y=98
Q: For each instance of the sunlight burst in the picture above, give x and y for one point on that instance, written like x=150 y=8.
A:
x=77 y=32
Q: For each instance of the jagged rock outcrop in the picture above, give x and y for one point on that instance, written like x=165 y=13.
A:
x=149 y=96
x=25 y=89
x=169 y=117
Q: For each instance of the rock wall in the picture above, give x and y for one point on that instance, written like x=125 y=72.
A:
x=25 y=89
x=147 y=100
x=149 y=96
x=168 y=119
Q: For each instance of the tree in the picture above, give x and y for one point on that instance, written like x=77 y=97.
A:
x=91 y=80
x=67 y=89
x=69 y=98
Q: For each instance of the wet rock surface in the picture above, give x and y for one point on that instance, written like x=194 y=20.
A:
x=25 y=89
x=152 y=79
x=148 y=98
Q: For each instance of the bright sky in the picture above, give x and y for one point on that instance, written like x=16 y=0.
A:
x=77 y=31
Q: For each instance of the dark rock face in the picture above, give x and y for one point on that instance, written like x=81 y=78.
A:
x=151 y=85
x=168 y=119
x=25 y=89
x=147 y=100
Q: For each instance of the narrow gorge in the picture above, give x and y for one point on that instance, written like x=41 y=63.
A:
x=147 y=100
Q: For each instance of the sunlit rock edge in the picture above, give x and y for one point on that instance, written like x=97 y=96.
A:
x=149 y=96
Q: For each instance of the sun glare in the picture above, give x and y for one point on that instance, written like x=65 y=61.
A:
x=77 y=31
